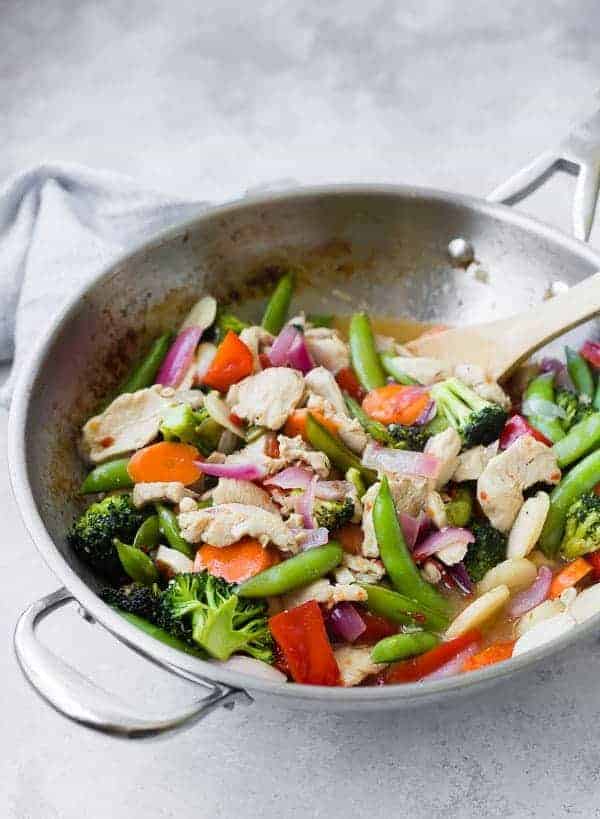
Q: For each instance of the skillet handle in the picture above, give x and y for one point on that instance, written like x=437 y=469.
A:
x=79 y=699
x=578 y=154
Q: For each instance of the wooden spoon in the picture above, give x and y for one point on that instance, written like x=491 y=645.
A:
x=500 y=346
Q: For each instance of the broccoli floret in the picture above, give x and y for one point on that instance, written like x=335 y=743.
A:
x=582 y=527
x=181 y=423
x=476 y=420
x=218 y=620
x=91 y=536
x=404 y=437
x=488 y=549
x=333 y=513
x=567 y=401
x=584 y=409
x=143 y=601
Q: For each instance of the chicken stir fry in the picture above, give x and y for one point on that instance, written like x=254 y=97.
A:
x=339 y=511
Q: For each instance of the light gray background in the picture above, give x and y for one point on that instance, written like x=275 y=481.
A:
x=208 y=99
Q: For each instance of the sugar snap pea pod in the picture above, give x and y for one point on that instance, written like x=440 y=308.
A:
x=298 y=571
x=460 y=509
x=396 y=556
x=542 y=388
x=363 y=352
x=159 y=633
x=279 y=304
x=579 y=440
x=377 y=430
x=108 y=476
x=596 y=401
x=144 y=374
x=321 y=319
x=169 y=527
x=580 y=372
x=401 y=609
x=390 y=365
x=582 y=478
x=337 y=452
x=137 y=565
x=401 y=646
x=148 y=534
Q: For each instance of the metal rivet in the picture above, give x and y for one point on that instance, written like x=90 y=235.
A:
x=461 y=251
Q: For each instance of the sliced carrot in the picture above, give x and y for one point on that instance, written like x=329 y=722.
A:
x=237 y=562
x=569 y=576
x=495 y=653
x=351 y=537
x=166 y=461
x=296 y=423
x=232 y=362
x=395 y=404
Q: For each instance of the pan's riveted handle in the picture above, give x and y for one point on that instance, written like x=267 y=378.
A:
x=578 y=154
x=82 y=701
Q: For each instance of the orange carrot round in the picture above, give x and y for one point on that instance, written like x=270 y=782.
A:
x=395 y=404
x=296 y=423
x=237 y=562
x=232 y=362
x=495 y=653
x=166 y=461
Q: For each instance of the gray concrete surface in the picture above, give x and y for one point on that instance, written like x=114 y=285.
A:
x=209 y=99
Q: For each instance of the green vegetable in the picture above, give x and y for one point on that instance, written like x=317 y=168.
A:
x=582 y=527
x=135 y=598
x=333 y=513
x=459 y=509
x=148 y=534
x=107 y=477
x=377 y=430
x=228 y=322
x=294 y=573
x=401 y=609
x=363 y=352
x=396 y=556
x=169 y=527
x=436 y=425
x=401 y=646
x=596 y=401
x=137 y=565
x=355 y=478
x=488 y=549
x=582 y=478
x=391 y=366
x=92 y=534
x=476 y=420
x=218 y=620
x=397 y=436
x=181 y=423
x=579 y=440
x=542 y=387
x=580 y=372
x=337 y=452
x=279 y=304
x=321 y=319
x=569 y=404
x=145 y=372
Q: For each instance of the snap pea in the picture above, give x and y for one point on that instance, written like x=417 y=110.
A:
x=542 y=387
x=582 y=478
x=401 y=646
x=596 y=401
x=321 y=319
x=390 y=365
x=298 y=571
x=580 y=372
x=337 y=452
x=159 y=633
x=579 y=440
x=363 y=352
x=169 y=527
x=108 y=476
x=144 y=374
x=377 y=430
x=137 y=565
x=148 y=534
x=396 y=556
x=460 y=509
x=401 y=609
x=279 y=304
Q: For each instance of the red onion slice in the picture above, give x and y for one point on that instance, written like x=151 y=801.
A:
x=460 y=577
x=530 y=598
x=551 y=365
x=294 y=477
x=306 y=503
x=450 y=536
x=410 y=528
x=345 y=622
x=298 y=355
x=240 y=472
x=179 y=357
x=289 y=350
x=428 y=414
x=400 y=461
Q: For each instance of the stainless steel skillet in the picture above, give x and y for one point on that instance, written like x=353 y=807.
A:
x=381 y=246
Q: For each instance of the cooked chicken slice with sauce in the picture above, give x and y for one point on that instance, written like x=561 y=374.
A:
x=229 y=522
x=267 y=398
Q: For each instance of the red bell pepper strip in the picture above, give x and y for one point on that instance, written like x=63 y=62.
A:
x=591 y=352
x=376 y=628
x=301 y=636
x=418 y=667
x=348 y=382
x=517 y=426
x=594 y=559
